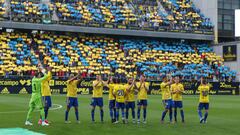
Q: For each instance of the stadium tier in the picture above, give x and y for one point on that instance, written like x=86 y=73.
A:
x=97 y=11
x=148 y=15
x=30 y=11
x=2 y=8
x=108 y=55
x=185 y=15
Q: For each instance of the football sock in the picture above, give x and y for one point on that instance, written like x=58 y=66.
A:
x=117 y=114
x=127 y=113
x=101 y=114
x=92 y=114
x=76 y=114
x=144 y=113
x=170 y=115
x=182 y=115
x=46 y=112
x=164 y=114
x=138 y=113
x=66 y=115
x=205 y=116
x=200 y=114
x=133 y=113
x=111 y=113
x=123 y=113
x=175 y=114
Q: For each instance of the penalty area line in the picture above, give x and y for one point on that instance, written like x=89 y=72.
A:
x=58 y=106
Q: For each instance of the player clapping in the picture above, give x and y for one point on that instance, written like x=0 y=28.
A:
x=130 y=101
x=72 y=100
x=120 y=93
x=143 y=88
x=97 y=97
x=166 y=98
x=177 y=91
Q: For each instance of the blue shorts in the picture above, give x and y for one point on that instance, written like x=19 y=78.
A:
x=47 y=102
x=130 y=105
x=72 y=101
x=177 y=104
x=168 y=104
x=120 y=105
x=97 y=102
x=112 y=104
x=203 y=105
x=142 y=102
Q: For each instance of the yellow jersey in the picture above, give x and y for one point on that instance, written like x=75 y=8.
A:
x=120 y=92
x=204 y=93
x=97 y=90
x=110 y=94
x=166 y=93
x=177 y=87
x=142 y=93
x=72 y=88
x=46 y=91
x=130 y=95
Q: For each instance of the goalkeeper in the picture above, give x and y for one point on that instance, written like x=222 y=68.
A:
x=36 y=98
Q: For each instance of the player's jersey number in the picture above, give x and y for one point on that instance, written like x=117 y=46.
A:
x=120 y=93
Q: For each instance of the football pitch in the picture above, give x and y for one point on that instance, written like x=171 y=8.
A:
x=224 y=117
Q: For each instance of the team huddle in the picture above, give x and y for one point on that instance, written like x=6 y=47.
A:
x=121 y=98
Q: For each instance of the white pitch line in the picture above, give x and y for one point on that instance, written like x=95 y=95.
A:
x=56 y=108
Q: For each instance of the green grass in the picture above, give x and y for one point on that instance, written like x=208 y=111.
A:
x=224 y=117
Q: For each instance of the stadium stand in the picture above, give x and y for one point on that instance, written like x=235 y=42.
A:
x=68 y=53
x=2 y=8
x=164 y=15
x=148 y=13
x=16 y=56
x=96 y=11
x=34 y=12
x=186 y=15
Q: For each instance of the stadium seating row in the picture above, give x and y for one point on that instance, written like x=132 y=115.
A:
x=184 y=14
x=31 y=9
x=2 y=8
x=100 y=54
x=181 y=14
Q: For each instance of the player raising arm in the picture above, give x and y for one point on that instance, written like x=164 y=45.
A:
x=46 y=95
x=97 y=97
x=166 y=98
x=203 y=100
x=177 y=91
x=143 y=88
x=72 y=96
x=36 y=98
x=130 y=101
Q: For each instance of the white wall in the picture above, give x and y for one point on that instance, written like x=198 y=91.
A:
x=235 y=65
x=237 y=23
x=210 y=9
